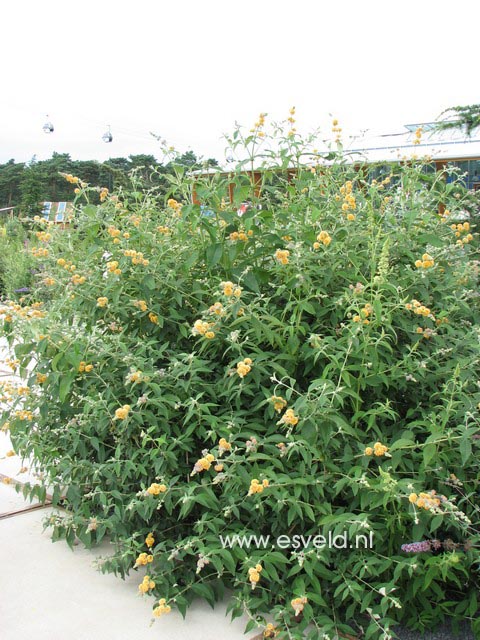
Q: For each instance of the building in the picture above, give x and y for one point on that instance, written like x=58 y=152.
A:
x=448 y=148
x=443 y=150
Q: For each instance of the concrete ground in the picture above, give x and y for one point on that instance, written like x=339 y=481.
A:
x=49 y=592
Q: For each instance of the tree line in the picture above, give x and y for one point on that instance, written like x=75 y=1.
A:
x=26 y=185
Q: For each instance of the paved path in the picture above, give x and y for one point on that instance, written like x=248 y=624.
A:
x=49 y=592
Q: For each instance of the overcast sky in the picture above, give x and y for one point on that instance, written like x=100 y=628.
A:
x=188 y=70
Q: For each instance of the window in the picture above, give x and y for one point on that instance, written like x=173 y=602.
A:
x=474 y=174
x=60 y=215
x=47 y=207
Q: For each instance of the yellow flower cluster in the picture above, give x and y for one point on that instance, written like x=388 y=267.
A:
x=217 y=309
x=281 y=255
x=364 y=314
x=136 y=257
x=324 y=238
x=426 y=333
x=229 y=289
x=258 y=126
x=419 y=309
x=12 y=364
x=162 y=608
x=426 y=262
x=10 y=391
x=83 y=367
x=103 y=194
x=102 y=302
x=39 y=252
x=23 y=414
x=69 y=178
x=150 y=540
x=289 y=417
x=358 y=288
x=112 y=267
x=49 y=282
x=114 y=232
x=6 y=395
x=254 y=575
x=176 y=206
x=11 y=309
x=379 y=449
x=256 y=487
x=153 y=317
x=223 y=446
x=270 y=631
x=135 y=220
x=418 y=136
x=386 y=200
x=143 y=559
x=336 y=129
x=134 y=376
x=122 y=412
x=10 y=453
x=203 y=464
x=156 y=489
x=43 y=236
x=349 y=202
x=66 y=264
x=459 y=229
x=292 y=121
x=41 y=378
x=146 y=585
x=298 y=605
x=279 y=403
x=244 y=367
x=425 y=501
x=76 y=279
x=41 y=221
x=241 y=235
x=163 y=230
x=202 y=328
x=140 y=304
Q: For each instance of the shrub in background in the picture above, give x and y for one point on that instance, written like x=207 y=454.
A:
x=15 y=263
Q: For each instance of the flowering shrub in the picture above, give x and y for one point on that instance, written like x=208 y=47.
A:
x=316 y=375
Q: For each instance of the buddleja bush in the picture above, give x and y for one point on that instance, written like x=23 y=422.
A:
x=307 y=369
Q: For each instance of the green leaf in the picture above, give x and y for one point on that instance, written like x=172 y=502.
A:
x=402 y=443
x=214 y=254
x=149 y=282
x=465 y=449
x=250 y=282
x=429 y=452
x=64 y=387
